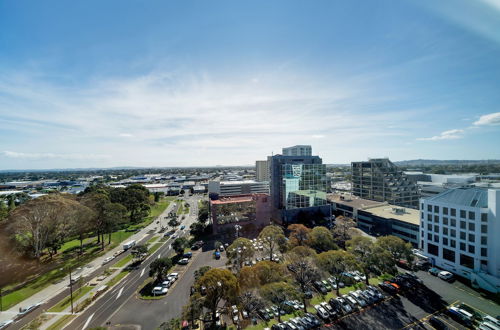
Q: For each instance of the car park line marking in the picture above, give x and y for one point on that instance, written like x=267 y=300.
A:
x=142 y=272
x=119 y=293
x=88 y=321
x=428 y=316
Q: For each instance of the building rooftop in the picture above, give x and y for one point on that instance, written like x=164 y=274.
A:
x=396 y=212
x=235 y=199
x=353 y=201
x=470 y=197
x=222 y=183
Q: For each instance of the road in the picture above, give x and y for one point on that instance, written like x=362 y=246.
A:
x=121 y=306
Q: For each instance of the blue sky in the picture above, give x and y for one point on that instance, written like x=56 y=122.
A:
x=181 y=83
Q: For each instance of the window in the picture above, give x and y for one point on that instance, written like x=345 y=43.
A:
x=421 y=216
x=484 y=252
x=429 y=208
x=453 y=212
x=453 y=222
x=463 y=214
x=445 y=210
x=445 y=231
x=453 y=233
x=422 y=206
x=472 y=226
x=436 y=238
x=429 y=217
x=462 y=235
x=449 y=255
x=445 y=221
x=432 y=249
x=429 y=237
x=429 y=226
x=422 y=234
x=436 y=209
x=472 y=237
x=445 y=241
x=436 y=229
x=484 y=217
x=484 y=262
x=472 y=249
x=462 y=246
x=463 y=225
x=484 y=240
x=472 y=215
x=484 y=229
x=453 y=244
x=466 y=261
x=436 y=218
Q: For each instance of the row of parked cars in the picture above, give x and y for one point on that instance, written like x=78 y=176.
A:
x=268 y=313
x=165 y=285
x=330 y=284
x=308 y=321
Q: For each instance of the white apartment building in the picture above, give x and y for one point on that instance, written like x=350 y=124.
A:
x=460 y=232
x=231 y=188
x=261 y=170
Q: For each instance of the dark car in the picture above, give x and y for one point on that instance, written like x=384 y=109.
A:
x=388 y=288
x=187 y=255
x=263 y=314
x=217 y=255
x=437 y=323
x=336 y=306
x=308 y=294
x=320 y=287
x=434 y=271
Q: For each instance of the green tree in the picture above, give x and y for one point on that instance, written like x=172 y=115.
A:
x=302 y=252
x=341 y=230
x=139 y=251
x=278 y=293
x=203 y=212
x=221 y=285
x=321 y=239
x=4 y=211
x=179 y=245
x=273 y=239
x=336 y=262
x=240 y=250
x=159 y=267
x=363 y=249
x=251 y=303
x=268 y=272
x=173 y=222
x=304 y=273
x=397 y=248
x=201 y=271
x=299 y=234
x=194 y=309
x=135 y=198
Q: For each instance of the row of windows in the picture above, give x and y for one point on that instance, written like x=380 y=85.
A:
x=453 y=212
x=452 y=243
x=453 y=233
x=471 y=226
x=450 y=254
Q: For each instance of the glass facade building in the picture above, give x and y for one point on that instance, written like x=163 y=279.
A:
x=303 y=185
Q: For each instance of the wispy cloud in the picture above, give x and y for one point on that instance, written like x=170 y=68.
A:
x=452 y=134
x=492 y=119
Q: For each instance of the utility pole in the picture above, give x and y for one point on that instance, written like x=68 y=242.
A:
x=1 y=306
x=70 y=289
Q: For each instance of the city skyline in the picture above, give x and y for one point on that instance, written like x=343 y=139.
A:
x=198 y=84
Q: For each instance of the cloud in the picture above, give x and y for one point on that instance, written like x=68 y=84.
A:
x=44 y=156
x=126 y=135
x=318 y=136
x=446 y=135
x=492 y=119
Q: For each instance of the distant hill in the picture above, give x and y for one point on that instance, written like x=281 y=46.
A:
x=430 y=162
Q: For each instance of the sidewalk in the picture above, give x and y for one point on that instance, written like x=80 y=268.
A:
x=54 y=289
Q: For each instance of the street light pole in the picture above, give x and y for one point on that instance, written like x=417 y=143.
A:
x=70 y=289
x=1 y=306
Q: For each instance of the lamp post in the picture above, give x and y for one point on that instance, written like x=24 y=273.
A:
x=70 y=289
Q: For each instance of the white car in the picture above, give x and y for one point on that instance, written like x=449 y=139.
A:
x=159 y=290
x=183 y=261
x=446 y=276
x=166 y=284
x=173 y=276
x=108 y=259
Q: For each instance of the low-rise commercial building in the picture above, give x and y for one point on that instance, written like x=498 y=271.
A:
x=231 y=188
x=460 y=230
x=240 y=215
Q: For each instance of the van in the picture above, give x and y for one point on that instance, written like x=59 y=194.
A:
x=491 y=320
x=128 y=245
x=461 y=316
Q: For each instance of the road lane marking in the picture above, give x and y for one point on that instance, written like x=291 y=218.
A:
x=119 y=293
x=88 y=321
x=142 y=272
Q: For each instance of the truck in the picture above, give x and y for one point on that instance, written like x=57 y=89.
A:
x=128 y=245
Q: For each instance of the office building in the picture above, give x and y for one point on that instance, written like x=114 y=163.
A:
x=299 y=150
x=377 y=218
x=230 y=188
x=380 y=180
x=298 y=184
x=250 y=213
x=261 y=171
x=460 y=230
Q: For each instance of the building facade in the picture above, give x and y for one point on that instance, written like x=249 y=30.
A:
x=231 y=188
x=261 y=171
x=298 y=184
x=299 y=150
x=460 y=230
x=250 y=213
x=380 y=180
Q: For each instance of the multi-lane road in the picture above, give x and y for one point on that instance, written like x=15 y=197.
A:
x=121 y=306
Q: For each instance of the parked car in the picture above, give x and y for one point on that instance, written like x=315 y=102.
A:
x=173 y=276
x=217 y=255
x=263 y=315
x=437 y=323
x=376 y=291
x=388 y=288
x=368 y=296
x=346 y=307
x=434 y=271
x=322 y=313
x=327 y=285
x=187 y=255
x=320 y=287
x=356 y=295
x=166 y=284
x=329 y=309
x=446 y=276
x=354 y=304
x=313 y=319
x=159 y=290
x=461 y=316
x=183 y=261
x=108 y=259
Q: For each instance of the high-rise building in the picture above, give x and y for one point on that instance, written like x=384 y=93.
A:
x=261 y=170
x=382 y=181
x=460 y=230
x=230 y=188
x=298 y=183
x=299 y=150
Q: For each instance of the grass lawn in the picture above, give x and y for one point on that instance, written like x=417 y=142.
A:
x=117 y=278
x=152 y=239
x=63 y=304
x=61 y=322
x=180 y=210
x=154 y=247
x=124 y=261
